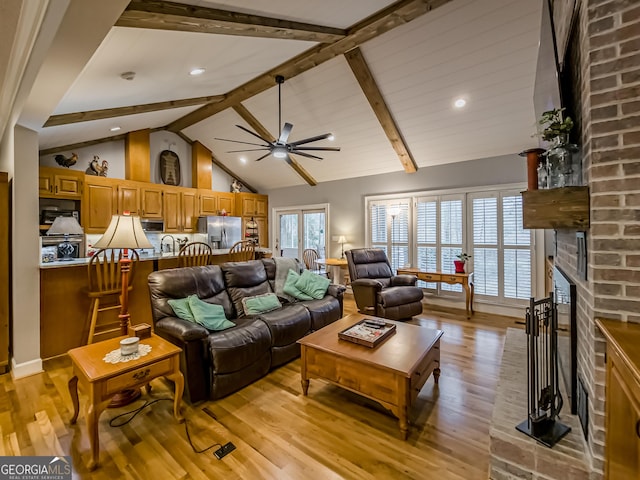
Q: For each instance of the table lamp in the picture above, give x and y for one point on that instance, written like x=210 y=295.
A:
x=342 y=240
x=124 y=232
x=65 y=226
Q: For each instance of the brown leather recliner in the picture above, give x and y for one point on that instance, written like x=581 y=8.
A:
x=377 y=290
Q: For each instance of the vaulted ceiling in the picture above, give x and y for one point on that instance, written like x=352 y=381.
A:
x=381 y=76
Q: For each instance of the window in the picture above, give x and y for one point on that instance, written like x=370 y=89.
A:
x=389 y=230
x=501 y=249
x=440 y=228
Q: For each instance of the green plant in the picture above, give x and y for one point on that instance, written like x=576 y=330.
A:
x=553 y=125
x=463 y=257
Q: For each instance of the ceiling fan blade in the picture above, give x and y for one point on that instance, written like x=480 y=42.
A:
x=326 y=149
x=297 y=152
x=238 y=141
x=248 y=150
x=253 y=133
x=264 y=156
x=284 y=135
x=310 y=139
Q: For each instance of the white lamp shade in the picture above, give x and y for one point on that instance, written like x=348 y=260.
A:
x=124 y=231
x=394 y=210
x=65 y=226
x=342 y=239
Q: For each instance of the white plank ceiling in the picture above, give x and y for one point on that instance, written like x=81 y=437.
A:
x=483 y=51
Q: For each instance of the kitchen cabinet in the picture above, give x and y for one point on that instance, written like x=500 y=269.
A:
x=213 y=203
x=226 y=202
x=4 y=272
x=208 y=202
x=129 y=199
x=60 y=183
x=171 y=209
x=622 y=407
x=180 y=210
x=99 y=203
x=151 y=201
x=189 y=210
x=251 y=204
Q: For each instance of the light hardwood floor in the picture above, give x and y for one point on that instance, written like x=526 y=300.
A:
x=279 y=433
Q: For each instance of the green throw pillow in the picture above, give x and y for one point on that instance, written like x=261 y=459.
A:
x=290 y=287
x=181 y=308
x=209 y=315
x=260 y=304
x=312 y=284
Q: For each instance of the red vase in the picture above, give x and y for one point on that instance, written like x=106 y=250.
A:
x=533 y=158
x=459 y=266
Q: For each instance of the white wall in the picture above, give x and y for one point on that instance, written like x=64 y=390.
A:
x=112 y=152
x=25 y=256
x=346 y=197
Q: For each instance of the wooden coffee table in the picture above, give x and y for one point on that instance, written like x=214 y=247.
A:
x=392 y=373
x=101 y=380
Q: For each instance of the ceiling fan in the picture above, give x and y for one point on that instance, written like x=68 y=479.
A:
x=281 y=148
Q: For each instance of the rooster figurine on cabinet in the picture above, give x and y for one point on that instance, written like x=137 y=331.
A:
x=96 y=168
x=66 y=162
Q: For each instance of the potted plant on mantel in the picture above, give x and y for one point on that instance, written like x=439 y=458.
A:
x=462 y=260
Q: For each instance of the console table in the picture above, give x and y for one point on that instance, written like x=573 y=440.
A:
x=464 y=279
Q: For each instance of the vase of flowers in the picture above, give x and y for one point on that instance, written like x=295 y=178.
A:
x=460 y=263
x=562 y=169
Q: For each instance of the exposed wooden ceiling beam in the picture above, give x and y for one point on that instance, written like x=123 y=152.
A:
x=263 y=132
x=370 y=89
x=162 y=15
x=396 y=14
x=76 y=117
x=114 y=138
x=222 y=167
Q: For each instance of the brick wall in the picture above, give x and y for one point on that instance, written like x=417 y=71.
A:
x=606 y=89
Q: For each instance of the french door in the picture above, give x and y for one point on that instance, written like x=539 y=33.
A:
x=299 y=229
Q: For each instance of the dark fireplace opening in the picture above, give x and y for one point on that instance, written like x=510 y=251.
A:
x=565 y=296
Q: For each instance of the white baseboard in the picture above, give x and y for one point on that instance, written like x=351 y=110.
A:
x=25 y=369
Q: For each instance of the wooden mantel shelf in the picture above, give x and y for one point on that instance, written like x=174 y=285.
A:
x=566 y=207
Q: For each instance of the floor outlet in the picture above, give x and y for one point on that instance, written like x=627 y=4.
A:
x=224 y=450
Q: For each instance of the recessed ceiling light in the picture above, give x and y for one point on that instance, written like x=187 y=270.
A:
x=197 y=71
x=460 y=102
x=331 y=137
x=243 y=159
x=114 y=129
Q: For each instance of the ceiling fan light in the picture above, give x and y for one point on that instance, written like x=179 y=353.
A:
x=331 y=137
x=279 y=152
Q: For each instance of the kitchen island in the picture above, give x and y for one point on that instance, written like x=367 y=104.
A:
x=64 y=303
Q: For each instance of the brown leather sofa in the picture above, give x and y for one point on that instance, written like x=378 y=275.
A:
x=217 y=363
x=377 y=291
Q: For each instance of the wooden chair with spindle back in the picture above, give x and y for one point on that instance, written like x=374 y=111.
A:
x=242 y=251
x=310 y=257
x=105 y=288
x=194 y=254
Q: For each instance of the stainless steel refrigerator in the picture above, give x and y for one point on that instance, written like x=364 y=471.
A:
x=221 y=232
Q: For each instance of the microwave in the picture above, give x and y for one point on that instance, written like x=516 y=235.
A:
x=152 y=225
x=48 y=216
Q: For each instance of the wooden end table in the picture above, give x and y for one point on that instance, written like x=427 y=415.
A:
x=392 y=373
x=101 y=380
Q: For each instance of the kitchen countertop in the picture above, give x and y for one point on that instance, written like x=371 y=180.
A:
x=143 y=257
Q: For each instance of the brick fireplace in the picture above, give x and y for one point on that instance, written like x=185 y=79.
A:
x=604 y=64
